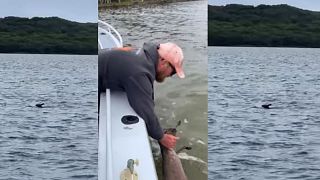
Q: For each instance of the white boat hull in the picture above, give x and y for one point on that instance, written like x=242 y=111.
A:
x=119 y=142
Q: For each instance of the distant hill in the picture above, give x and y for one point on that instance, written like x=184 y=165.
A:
x=50 y=35
x=263 y=25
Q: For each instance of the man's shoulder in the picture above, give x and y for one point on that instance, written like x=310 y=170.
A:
x=131 y=54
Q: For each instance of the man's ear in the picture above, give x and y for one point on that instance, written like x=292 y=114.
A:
x=161 y=62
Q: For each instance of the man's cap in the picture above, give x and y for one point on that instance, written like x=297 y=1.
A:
x=174 y=55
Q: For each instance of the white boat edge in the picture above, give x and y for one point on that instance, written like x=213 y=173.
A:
x=102 y=149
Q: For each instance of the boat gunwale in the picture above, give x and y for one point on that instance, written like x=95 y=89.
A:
x=110 y=30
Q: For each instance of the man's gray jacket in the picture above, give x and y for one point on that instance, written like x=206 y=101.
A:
x=134 y=73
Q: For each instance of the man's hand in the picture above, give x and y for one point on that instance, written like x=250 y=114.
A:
x=169 y=141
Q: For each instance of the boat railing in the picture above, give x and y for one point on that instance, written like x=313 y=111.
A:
x=108 y=29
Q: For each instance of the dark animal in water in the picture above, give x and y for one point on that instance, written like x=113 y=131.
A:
x=266 y=106
x=39 y=105
x=171 y=164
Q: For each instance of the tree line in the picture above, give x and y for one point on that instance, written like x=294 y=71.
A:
x=263 y=25
x=49 y=35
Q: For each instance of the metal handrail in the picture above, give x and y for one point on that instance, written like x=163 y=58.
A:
x=111 y=30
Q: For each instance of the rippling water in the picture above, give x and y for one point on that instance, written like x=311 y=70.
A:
x=58 y=141
x=186 y=24
x=249 y=142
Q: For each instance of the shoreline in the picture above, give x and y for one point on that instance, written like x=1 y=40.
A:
x=137 y=2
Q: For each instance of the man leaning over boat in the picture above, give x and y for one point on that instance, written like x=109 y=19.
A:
x=134 y=71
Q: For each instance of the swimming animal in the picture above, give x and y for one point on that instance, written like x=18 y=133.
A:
x=39 y=105
x=266 y=106
x=171 y=164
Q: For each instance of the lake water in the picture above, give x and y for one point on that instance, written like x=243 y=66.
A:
x=184 y=23
x=247 y=141
x=60 y=140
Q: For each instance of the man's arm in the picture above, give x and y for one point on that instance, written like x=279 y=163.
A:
x=140 y=93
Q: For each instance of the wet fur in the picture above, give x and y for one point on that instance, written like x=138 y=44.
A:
x=171 y=164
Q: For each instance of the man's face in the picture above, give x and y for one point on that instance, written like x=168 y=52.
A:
x=164 y=70
x=170 y=55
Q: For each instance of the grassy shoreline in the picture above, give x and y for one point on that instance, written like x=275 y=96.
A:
x=50 y=35
x=263 y=26
x=133 y=3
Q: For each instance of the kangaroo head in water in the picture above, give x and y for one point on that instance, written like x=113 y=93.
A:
x=172 y=131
